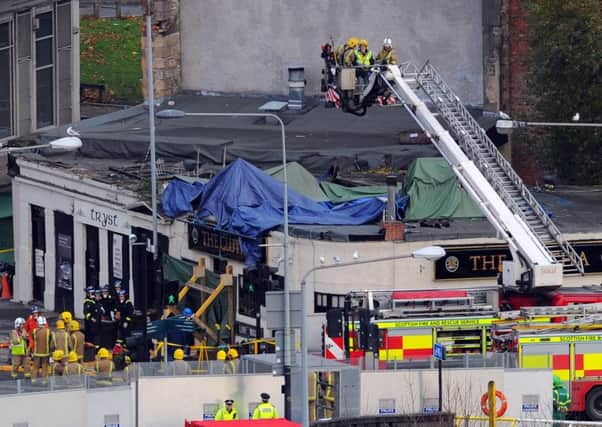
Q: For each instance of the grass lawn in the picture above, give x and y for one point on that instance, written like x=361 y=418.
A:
x=111 y=54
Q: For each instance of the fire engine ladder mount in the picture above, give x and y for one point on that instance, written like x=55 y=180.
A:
x=541 y=254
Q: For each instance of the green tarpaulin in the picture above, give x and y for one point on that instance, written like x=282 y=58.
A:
x=339 y=193
x=217 y=314
x=305 y=183
x=300 y=180
x=435 y=192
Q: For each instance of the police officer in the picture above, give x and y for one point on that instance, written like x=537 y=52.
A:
x=107 y=304
x=124 y=311
x=19 y=348
x=227 y=412
x=90 y=315
x=265 y=410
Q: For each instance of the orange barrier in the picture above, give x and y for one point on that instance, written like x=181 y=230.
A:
x=5 y=287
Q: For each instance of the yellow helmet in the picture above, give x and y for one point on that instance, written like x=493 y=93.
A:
x=72 y=357
x=73 y=326
x=353 y=42
x=232 y=353
x=364 y=42
x=178 y=354
x=58 y=354
x=221 y=355
x=60 y=324
x=103 y=353
x=66 y=316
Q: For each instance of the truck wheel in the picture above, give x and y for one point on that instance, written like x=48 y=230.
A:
x=593 y=404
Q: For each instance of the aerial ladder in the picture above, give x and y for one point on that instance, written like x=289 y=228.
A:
x=540 y=253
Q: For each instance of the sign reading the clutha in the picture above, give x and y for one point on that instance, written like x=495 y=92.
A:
x=214 y=242
x=465 y=262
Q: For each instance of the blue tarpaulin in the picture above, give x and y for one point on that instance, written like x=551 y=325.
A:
x=178 y=197
x=245 y=200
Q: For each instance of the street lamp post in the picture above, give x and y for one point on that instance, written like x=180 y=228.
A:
x=68 y=143
x=171 y=114
x=506 y=126
x=430 y=253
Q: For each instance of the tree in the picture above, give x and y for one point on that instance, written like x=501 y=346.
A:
x=564 y=76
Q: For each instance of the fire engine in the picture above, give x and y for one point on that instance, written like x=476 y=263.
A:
x=398 y=325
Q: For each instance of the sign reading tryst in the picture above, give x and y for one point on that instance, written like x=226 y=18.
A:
x=101 y=217
x=463 y=262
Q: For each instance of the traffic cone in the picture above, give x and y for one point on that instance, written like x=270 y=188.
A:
x=5 y=288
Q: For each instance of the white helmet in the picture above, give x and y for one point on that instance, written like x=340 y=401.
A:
x=19 y=321
x=387 y=42
x=41 y=321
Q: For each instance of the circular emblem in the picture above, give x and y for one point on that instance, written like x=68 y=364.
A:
x=452 y=264
x=195 y=235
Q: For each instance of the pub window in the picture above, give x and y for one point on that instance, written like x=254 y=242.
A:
x=44 y=48
x=246 y=298
x=6 y=80
x=324 y=302
x=219 y=265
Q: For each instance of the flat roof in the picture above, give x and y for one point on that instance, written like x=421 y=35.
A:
x=315 y=138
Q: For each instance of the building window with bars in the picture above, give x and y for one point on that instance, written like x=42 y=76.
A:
x=324 y=302
x=44 y=66
x=6 y=80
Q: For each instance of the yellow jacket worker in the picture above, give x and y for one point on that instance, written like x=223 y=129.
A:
x=265 y=410
x=227 y=412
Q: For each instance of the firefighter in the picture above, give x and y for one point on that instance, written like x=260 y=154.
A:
x=221 y=356
x=339 y=53
x=90 y=315
x=387 y=55
x=73 y=368
x=561 y=399
x=115 y=291
x=41 y=349
x=66 y=317
x=32 y=322
x=364 y=57
x=124 y=311
x=58 y=366
x=179 y=366
x=60 y=337
x=77 y=340
x=104 y=367
x=231 y=363
x=349 y=55
x=19 y=348
x=227 y=412
x=265 y=410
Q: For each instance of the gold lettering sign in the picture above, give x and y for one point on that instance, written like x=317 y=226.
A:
x=215 y=242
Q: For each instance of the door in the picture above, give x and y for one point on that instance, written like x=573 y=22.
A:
x=63 y=227
x=38 y=245
x=119 y=255
x=92 y=256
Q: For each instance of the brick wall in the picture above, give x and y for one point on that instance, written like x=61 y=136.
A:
x=167 y=47
x=514 y=85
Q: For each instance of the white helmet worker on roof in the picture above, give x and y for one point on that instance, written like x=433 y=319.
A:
x=387 y=55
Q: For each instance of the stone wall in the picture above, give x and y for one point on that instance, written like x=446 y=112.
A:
x=167 y=52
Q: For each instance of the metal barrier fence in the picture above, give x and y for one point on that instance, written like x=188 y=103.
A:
x=489 y=360
x=482 y=421
x=52 y=383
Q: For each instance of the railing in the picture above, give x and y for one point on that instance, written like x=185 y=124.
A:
x=471 y=421
x=56 y=383
x=110 y=8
